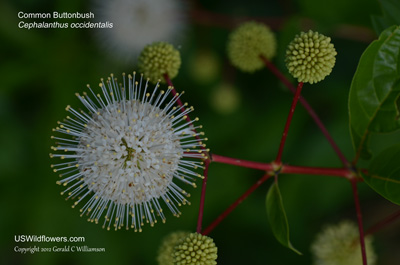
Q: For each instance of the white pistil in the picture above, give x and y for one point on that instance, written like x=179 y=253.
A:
x=124 y=153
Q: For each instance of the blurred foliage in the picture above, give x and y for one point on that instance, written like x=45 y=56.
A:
x=41 y=70
x=391 y=10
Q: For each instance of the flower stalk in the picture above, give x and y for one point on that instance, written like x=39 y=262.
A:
x=288 y=121
x=173 y=91
x=308 y=108
x=285 y=169
x=202 y=197
x=206 y=162
x=224 y=214
x=383 y=223
x=359 y=220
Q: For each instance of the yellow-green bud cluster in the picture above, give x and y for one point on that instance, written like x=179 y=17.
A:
x=158 y=59
x=340 y=244
x=310 y=57
x=195 y=249
x=247 y=43
x=167 y=247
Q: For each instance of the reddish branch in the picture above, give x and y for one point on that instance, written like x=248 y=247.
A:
x=202 y=198
x=173 y=91
x=241 y=163
x=284 y=169
x=235 y=204
x=288 y=121
x=206 y=159
x=383 y=223
x=308 y=108
x=337 y=172
x=359 y=219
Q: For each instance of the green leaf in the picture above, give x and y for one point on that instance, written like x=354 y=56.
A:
x=375 y=90
x=384 y=174
x=391 y=11
x=277 y=217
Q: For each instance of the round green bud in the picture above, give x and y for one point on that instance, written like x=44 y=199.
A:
x=247 y=43
x=167 y=247
x=310 y=57
x=157 y=59
x=195 y=249
x=340 y=244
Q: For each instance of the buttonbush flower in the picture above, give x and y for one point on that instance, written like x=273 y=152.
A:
x=247 y=43
x=195 y=249
x=310 y=57
x=168 y=245
x=125 y=153
x=137 y=23
x=158 y=59
x=340 y=244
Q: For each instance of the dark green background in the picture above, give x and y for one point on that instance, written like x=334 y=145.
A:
x=40 y=70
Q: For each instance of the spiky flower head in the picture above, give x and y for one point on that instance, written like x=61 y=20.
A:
x=123 y=155
x=248 y=42
x=340 y=244
x=137 y=23
x=195 y=249
x=167 y=247
x=159 y=58
x=310 y=57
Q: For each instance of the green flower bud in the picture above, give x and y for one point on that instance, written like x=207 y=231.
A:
x=340 y=244
x=157 y=59
x=247 y=43
x=310 y=57
x=167 y=247
x=195 y=249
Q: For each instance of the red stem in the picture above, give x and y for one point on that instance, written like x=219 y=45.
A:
x=288 y=121
x=223 y=215
x=203 y=197
x=206 y=161
x=179 y=101
x=309 y=109
x=285 y=169
x=359 y=219
x=173 y=91
x=338 y=172
x=383 y=223
x=241 y=163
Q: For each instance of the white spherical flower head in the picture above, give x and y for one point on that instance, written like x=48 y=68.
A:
x=126 y=151
x=137 y=23
x=340 y=244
